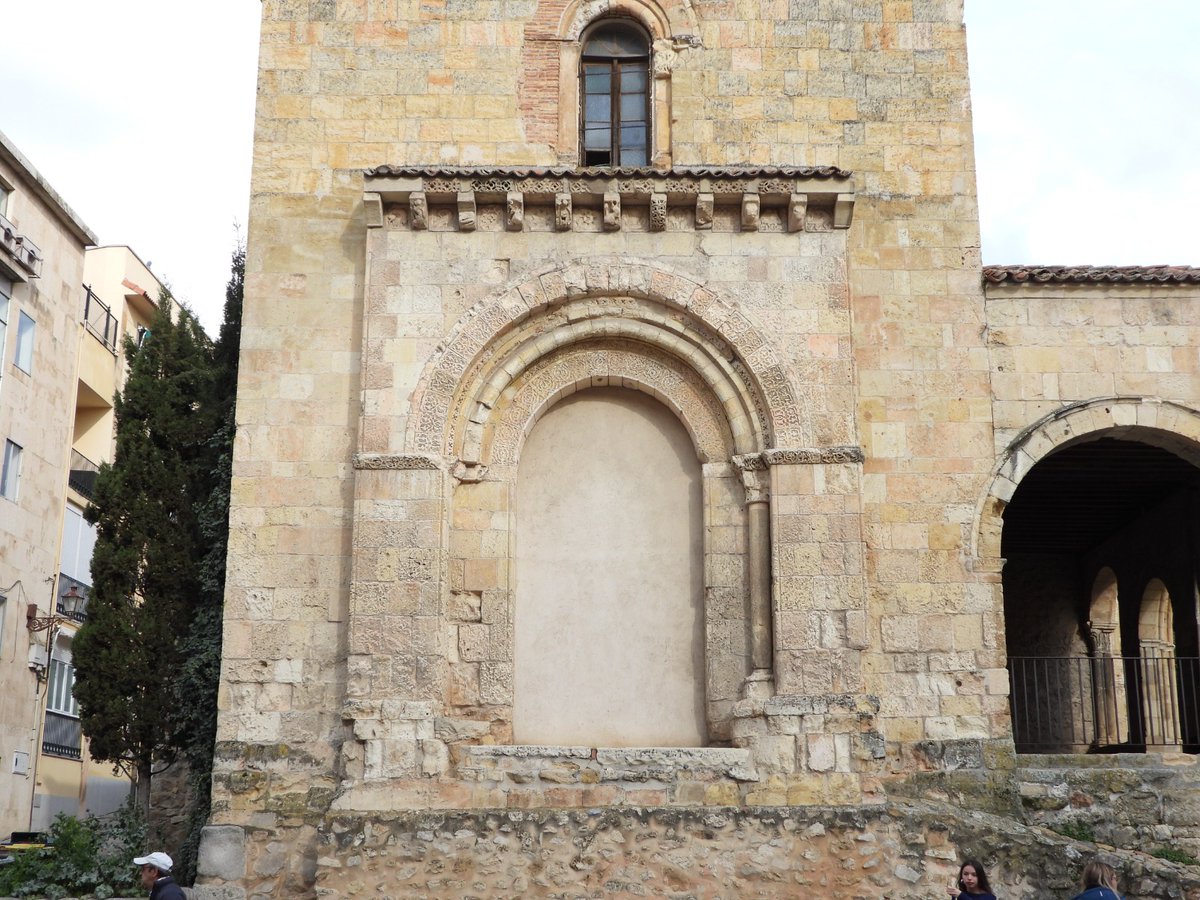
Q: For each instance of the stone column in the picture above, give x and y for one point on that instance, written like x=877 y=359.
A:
x=1108 y=687
x=1159 y=686
x=755 y=481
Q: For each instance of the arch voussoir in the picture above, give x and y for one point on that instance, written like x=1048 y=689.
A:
x=502 y=336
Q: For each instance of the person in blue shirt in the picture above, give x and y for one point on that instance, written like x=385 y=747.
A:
x=972 y=882
x=1099 y=882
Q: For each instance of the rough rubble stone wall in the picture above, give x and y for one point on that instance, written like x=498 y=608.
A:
x=900 y=851
x=1149 y=801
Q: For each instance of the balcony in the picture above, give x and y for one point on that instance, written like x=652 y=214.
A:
x=19 y=254
x=62 y=736
x=1105 y=704
x=82 y=476
x=99 y=320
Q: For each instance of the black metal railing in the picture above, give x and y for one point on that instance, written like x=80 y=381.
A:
x=82 y=476
x=99 y=320
x=62 y=736
x=1081 y=704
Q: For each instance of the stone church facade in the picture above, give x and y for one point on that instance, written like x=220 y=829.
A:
x=630 y=448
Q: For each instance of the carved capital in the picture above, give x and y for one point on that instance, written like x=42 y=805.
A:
x=468 y=472
x=757 y=484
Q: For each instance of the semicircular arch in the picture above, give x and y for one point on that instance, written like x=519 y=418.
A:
x=591 y=365
x=503 y=335
x=1161 y=423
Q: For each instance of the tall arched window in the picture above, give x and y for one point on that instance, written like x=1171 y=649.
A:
x=615 y=95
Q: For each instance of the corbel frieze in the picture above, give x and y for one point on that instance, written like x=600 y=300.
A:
x=740 y=199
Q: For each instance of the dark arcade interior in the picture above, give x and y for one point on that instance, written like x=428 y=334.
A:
x=1100 y=593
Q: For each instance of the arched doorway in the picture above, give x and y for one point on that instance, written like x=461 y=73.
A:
x=1090 y=525
x=609 y=577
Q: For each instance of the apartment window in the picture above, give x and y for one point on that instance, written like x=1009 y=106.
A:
x=24 y=357
x=79 y=541
x=4 y=192
x=62 y=735
x=615 y=95
x=10 y=474
x=59 y=696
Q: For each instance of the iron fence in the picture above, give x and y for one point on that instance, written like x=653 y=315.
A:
x=1080 y=704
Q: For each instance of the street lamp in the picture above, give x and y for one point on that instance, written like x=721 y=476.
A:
x=69 y=608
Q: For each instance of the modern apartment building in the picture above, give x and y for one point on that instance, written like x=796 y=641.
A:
x=42 y=243
x=118 y=297
x=64 y=306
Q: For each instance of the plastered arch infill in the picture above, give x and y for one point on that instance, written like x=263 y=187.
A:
x=1161 y=423
x=587 y=366
x=465 y=357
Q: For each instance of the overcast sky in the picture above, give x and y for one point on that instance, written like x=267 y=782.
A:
x=140 y=113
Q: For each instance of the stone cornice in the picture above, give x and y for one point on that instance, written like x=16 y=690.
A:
x=728 y=198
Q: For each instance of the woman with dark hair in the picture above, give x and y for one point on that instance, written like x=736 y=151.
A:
x=1099 y=882
x=972 y=882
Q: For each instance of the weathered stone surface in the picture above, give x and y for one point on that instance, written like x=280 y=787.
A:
x=903 y=851
x=223 y=853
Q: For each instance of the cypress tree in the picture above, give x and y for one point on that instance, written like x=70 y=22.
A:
x=196 y=689
x=147 y=580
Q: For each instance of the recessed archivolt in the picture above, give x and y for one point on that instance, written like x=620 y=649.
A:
x=623 y=299
x=662 y=20
x=1160 y=423
x=595 y=325
x=592 y=365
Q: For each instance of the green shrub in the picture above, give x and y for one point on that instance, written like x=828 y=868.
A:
x=88 y=856
x=1170 y=854
x=1078 y=831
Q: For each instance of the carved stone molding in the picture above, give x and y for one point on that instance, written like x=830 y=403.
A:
x=460 y=362
x=813 y=456
x=391 y=461
x=750 y=462
x=797 y=198
x=625 y=364
x=800 y=456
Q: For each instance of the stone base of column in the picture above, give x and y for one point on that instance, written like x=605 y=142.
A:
x=759 y=685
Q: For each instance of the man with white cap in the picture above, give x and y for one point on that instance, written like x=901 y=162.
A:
x=156 y=876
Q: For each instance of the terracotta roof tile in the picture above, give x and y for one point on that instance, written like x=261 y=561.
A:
x=1091 y=274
